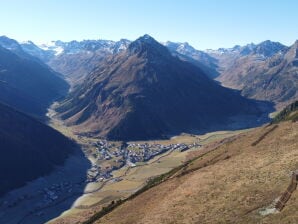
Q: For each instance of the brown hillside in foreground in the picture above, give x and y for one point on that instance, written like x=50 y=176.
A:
x=231 y=184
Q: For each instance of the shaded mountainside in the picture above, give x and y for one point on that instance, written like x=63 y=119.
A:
x=267 y=71
x=145 y=92
x=231 y=181
x=28 y=149
x=27 y=84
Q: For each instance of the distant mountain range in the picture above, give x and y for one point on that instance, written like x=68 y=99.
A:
x=75 y=59
x=267 y=71
x=265 y=63
x=145 y=92
x=234 y=67
x=26 y=83
x=264 y=49
x=199 y=58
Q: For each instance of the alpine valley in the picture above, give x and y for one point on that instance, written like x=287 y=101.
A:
x=142 y=131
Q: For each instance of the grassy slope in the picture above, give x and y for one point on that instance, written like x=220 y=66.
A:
x=230 y=184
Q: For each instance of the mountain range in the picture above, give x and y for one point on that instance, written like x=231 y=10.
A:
x=26 y=83
x=74 y=59
x=199 y=58
x=145 y=92
x=267 y=71
x=266 y=63
x=139 y=90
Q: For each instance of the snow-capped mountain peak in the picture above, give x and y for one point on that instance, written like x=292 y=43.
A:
x=54 y=46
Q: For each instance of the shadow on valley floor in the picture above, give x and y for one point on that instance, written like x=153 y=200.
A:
x=47 y=197
x=238 y=122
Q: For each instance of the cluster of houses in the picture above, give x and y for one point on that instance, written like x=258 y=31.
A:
x=52 y=193
x=97 y=174
x=103 y=149
x=106 y=153
x=13 y=203
x=145 y=152
x=49 y=195
x=126 y=154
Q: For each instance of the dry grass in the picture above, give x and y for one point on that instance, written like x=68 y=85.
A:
x=230 y=184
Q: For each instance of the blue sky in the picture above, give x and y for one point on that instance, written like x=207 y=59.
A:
x=202 y=23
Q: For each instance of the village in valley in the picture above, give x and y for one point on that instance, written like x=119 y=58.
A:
x=127 y=165
x=106 y=157
x=110 y=156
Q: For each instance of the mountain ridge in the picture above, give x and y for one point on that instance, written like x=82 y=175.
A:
x=27 y=84
x=233 y=67
x=125 y=86
x=271 y=78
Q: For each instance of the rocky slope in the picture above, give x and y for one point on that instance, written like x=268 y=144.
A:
x=267 y=71
x=144 y=92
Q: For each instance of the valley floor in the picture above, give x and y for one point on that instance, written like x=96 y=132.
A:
x=70 y=195
x=131 y=177
x=46 y=197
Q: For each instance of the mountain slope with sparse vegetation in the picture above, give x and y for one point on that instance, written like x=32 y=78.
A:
x=236 y=180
